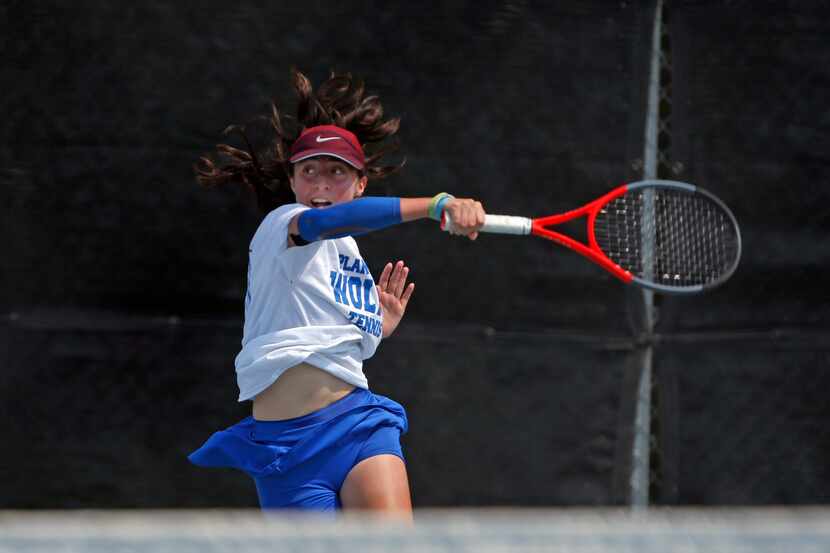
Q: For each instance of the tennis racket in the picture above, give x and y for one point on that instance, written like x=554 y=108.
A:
x=667 y=236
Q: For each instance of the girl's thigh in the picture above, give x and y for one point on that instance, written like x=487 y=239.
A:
x=378 y=483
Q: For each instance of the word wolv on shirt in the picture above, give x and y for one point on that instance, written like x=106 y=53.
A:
x=352 y=289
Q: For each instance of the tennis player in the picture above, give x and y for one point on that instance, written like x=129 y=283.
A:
x=318 y=439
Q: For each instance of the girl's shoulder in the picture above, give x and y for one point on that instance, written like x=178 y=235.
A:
x=285 y=211
x=280 y=217
x=274 y=226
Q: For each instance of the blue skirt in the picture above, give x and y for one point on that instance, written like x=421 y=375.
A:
x=302 y=462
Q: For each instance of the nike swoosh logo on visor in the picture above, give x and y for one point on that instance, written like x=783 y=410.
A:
x=321 y=139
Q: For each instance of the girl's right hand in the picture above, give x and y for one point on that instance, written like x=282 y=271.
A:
x=467 y=216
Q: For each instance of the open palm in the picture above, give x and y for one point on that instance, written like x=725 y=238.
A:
x=394 y=295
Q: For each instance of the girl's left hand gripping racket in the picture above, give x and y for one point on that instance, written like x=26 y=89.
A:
x=668 y=236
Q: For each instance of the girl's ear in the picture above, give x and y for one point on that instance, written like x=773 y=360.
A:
x=291 y=182
x=360 y=186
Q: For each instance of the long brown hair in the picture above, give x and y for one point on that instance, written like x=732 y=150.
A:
x=340 y=100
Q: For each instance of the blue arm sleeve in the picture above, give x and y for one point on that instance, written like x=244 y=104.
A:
x=349 y=219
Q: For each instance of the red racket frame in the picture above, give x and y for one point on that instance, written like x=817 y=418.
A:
x=592 y=250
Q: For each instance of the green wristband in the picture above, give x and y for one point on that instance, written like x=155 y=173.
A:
x=436 y=205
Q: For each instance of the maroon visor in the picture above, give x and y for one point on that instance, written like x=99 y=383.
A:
x=328 y=140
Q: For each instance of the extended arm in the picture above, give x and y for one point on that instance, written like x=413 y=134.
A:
x=374 y=213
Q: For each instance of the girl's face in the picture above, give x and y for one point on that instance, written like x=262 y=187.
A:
x=323 y=181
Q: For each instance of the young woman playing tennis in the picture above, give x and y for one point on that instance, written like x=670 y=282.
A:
x=318 y=439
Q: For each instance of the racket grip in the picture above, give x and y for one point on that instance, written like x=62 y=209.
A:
x=497 y=224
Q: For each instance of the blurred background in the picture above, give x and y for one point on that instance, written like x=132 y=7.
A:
x=122 y=281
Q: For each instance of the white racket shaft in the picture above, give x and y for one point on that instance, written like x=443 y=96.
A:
x=497 y=224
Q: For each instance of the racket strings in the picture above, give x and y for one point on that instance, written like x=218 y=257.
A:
x=670 y=237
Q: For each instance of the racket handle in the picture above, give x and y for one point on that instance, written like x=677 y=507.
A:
x=498 y=224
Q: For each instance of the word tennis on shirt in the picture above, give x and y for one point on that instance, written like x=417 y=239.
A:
x=356 y=291
x=366 y=323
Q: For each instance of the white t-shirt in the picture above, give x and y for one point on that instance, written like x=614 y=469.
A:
x=316 y=304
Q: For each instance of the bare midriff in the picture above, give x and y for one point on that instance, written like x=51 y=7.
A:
x=298 y=391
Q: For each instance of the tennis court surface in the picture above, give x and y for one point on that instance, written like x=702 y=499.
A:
x=778 y=530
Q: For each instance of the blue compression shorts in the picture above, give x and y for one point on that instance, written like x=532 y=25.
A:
x=301 y=463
